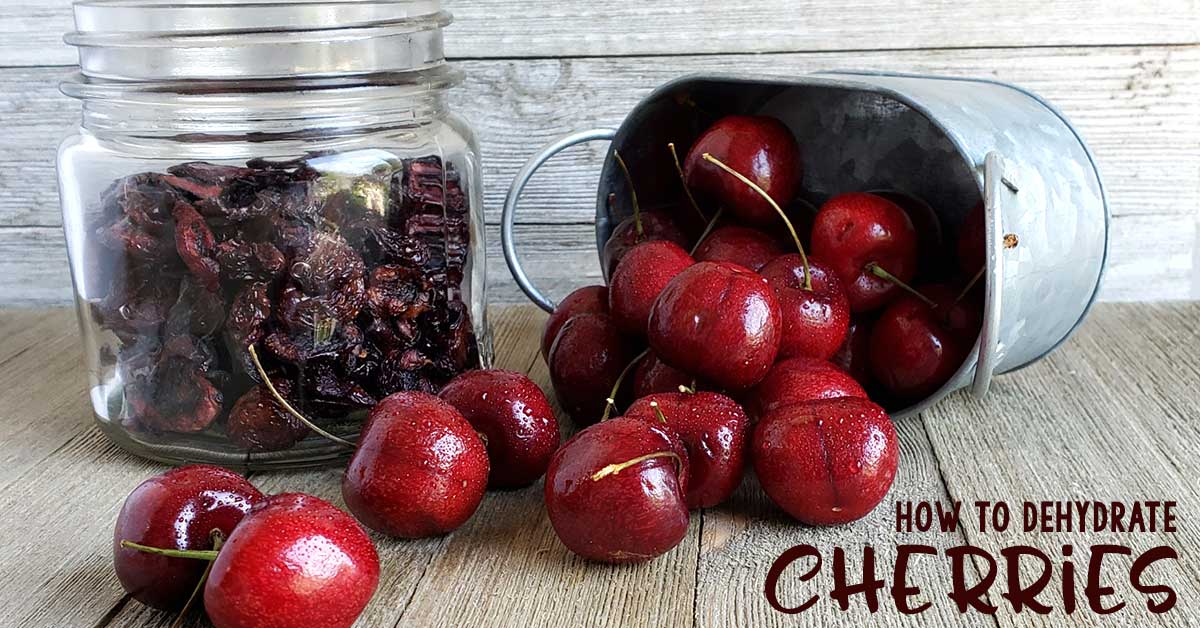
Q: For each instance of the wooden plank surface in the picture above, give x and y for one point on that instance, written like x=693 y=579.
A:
x=1083 y=425
x=1138 y=107
x=31 y=30
x=1108 y=416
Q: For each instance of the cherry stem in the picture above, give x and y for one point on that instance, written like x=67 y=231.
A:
x=657 y=410
x=971 y=284
x=637 y=211
x=778 y=210
x=218 y=539
x=287 y=406
x=688 y=390
x=616 y=468
x=610 y=403
x=707 y=230
x=878 y=271
x=683 y=181
x=171 y=553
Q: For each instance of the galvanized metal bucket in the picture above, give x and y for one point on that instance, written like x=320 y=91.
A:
x=949 y=141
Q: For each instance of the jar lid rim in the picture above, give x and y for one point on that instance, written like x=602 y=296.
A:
x=172 y=40
x=82 y=86
x=179 y=17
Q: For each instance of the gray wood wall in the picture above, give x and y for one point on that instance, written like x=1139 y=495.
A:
x=1127 y=73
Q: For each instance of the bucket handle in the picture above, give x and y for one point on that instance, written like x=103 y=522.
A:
x=996 y=181
x=509 y=215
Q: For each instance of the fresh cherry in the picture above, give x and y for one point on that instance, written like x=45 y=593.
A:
x=853 y=356
x=652 y=375
x=815 y=315
x=585 y=361
x=719 y=321
x=585 y=300
x=625 y=236
x=295 y=560
x=713 y=427
x=800 y=379
x=639 y=278
x=828 y=461
x=514 y=418
x=419 y=469
x=176 y=510
x=761 y=148
x=858 y=232
x=615 y=492
x=931 y=246
x=739 y=245
x=916 y=347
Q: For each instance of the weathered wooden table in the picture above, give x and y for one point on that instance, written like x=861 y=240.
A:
x=1112 y=415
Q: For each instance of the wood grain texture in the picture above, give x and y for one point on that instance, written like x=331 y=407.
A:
x=1108 y=416
x=1138 y=108
x=1095 y=420
x=1121 y=390
x=31 y=30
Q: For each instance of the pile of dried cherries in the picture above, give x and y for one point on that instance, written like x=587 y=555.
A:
x=347 y=286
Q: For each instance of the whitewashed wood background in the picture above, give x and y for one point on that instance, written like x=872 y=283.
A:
x=1127 y=73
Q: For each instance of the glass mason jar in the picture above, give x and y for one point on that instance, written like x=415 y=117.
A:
x=267 y=202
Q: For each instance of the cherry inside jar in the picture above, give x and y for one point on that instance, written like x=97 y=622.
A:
x=277 y=233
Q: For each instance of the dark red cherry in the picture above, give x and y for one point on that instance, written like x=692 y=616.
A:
x=652 y=375
x=639 y=278
x=419 y=469
x=916 y=348
x=615 y=492
x=815 y=319
x=854 y=231
x=585 y=362
x=800 y=379
x=828 y=461
x=585 y=300
x=625 y=236
x=739 y=245
x=931 y=246
x=720 y=321
x=295 y=560
x=177 y=510
x=852 y=356
x=714 y=430
x=759 y=147
x=512 y=414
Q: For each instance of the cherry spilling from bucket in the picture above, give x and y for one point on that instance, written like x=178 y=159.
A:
x=770 y=335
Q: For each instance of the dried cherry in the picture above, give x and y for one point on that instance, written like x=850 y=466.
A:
x=145 y=199
x=249 y=261
x=258 y=423
x=196 y=245
x=197 y=310
x=245 y=324
x=177 y=398
x=395 y=291
x=135 y=242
